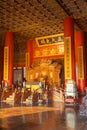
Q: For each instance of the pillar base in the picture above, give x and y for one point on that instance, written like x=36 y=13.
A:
x=82 y=93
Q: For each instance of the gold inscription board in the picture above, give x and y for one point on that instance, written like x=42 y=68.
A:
x=53 y=50
x=67 y=58
x=27 y=65
x=80 y=63
x=27 y=59
x=6 y=62
x=51 y=39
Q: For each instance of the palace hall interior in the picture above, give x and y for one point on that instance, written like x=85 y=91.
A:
x=43 y=64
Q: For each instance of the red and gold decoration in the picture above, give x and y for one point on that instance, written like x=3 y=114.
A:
x=49 y=51
x=49 y=46
x=80 y=63
x=70 y=72
x=50 y=40
x=52 y=47
x=67 y=58
x=27 y=65
x=9 y=53
x=6 y=62
x=29 y=49
x=1 y=61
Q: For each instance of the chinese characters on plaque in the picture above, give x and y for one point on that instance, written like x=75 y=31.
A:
x=6 y=57
x=52 y=45
x=27 y=65
x=49 y=40
x=67 y=58
x=46 y=51
x=80 y=63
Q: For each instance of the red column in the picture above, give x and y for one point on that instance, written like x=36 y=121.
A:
x=29 y=49
x=10 y=44
x=1 y=63
x=69 y=38
x=80 y=61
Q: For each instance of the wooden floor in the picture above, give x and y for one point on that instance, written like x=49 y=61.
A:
x=44 y=117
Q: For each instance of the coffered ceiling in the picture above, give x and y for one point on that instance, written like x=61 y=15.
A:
x=29 y=19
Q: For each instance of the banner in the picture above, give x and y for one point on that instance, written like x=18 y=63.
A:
x=27 y=65
x=67 y=58
x=6 y=62
x=51 y=39
x=49 y=51
x=80 y=63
